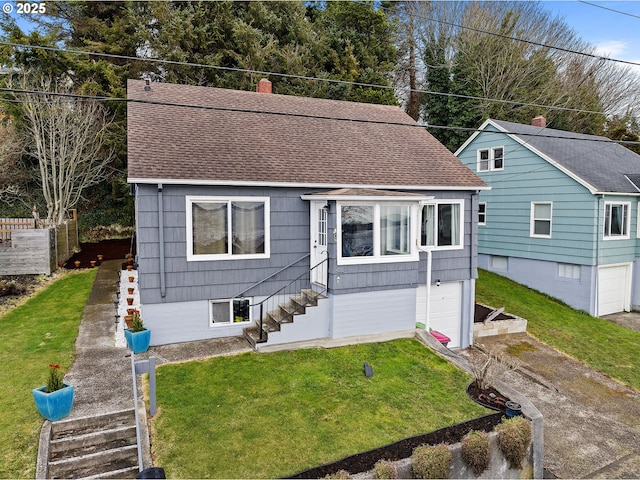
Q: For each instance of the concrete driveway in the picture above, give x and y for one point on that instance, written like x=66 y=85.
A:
x=591 y=422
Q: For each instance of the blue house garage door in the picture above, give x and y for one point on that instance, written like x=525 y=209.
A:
x=614 y=289
x=446 y=309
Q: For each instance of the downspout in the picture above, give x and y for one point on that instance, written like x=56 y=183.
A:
x=427 y=320
x=599 y=235
x=163 y=286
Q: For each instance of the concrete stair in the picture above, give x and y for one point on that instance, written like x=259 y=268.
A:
x=94 y=447
x=284 y=314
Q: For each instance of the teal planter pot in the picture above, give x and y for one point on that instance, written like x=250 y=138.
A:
x=138 y=342
x=56 y=405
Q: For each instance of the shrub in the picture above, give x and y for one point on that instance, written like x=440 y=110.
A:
x=339 y=475
x=475 y=451
x=384 y=469
x=136 y=324
x=514 y=437
x=54 y=381
x=431 y=461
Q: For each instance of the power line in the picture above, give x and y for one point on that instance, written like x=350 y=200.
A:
x=299 y=77
x=610 y=9
x=300 y=115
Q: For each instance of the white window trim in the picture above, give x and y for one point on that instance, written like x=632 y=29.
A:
x=532 y=220
x=627 y=226
x=190 y=199
x=446 y=201
x=490 y=160
x=638 y=220
x=413 y=256
x=213 y=324
x=483 y=213
x=573 y=267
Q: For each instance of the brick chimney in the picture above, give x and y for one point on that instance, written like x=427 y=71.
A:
x=264 y=86
x=539 y=121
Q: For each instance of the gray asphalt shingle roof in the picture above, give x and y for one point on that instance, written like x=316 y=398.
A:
x=604 y=165
x=240 y=144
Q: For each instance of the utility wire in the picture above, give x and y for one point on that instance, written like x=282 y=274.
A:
x=610 y=9
x=299 y=115
x=299 y=77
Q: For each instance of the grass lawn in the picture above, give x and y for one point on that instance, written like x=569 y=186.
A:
x=601 y=344
x=271 y=415
x=39 y=332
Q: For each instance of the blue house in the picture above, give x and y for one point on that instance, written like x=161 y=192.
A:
x=291 y=219
x=562 y=212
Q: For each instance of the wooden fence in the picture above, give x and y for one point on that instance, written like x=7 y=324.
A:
x=25 y=249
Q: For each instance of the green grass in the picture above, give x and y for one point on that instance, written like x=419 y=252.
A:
x=271 y=415
x=600 y=344
x=41 y=331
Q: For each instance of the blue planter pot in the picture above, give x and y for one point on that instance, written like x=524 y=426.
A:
x=512 y=409
x=138 y=342
x=56 y=405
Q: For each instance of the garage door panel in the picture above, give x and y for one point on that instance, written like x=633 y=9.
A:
x=614 y=286
x=446 y=309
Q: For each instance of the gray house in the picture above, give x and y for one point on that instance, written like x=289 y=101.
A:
x=562 y=212
x=292 y=219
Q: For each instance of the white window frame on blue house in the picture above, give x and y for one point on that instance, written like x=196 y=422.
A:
x=626 y=209
x=232 y=319
x=229 y=254
x=537 y=218
x=400 y=248
x=482 y=213
x=430 y=240
x=489 y=164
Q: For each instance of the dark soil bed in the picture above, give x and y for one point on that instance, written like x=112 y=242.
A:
x=365 y=461
x=489 y=397
x=109 y=249
x=481 y=312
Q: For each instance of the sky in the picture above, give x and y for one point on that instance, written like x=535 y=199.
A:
x=615 y=34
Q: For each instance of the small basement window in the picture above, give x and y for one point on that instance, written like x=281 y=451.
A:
x=230 y=311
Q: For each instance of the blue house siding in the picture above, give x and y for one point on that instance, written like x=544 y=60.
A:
x=527 y=178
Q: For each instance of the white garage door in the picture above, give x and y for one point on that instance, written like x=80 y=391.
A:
x=614 y=289
x=446 y=309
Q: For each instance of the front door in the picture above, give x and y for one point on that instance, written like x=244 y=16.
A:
x=319 y=243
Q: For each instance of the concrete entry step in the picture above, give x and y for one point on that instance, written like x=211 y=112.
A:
x=79 y=426
x=98 y=464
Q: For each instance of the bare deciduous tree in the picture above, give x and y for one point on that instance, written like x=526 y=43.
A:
x=12 y=176
x=66 y=137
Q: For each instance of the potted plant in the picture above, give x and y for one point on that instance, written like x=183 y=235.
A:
x=138 y=337
x=55 y=399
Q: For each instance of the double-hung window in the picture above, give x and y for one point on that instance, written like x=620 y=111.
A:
x=541 y=219
x=375 y=233
x=616 y=220
x=227 y=228
x=482 y=213
x=490 y=159
x=442 y=225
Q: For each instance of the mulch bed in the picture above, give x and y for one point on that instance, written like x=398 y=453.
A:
x=365 y=461
x=109 y=249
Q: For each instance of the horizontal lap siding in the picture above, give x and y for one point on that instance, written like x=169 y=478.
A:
x=528 y=178
x=202 y=280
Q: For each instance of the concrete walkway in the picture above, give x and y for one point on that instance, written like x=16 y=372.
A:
x=101 y=371
x=591 y=422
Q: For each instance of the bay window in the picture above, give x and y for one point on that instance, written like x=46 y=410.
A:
x=371 y=233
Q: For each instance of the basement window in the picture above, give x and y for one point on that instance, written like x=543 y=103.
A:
x=230 y=311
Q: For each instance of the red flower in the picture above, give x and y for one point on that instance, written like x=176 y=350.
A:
x=52 y=365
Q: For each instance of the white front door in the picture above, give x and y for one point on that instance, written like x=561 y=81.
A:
x=319 y=214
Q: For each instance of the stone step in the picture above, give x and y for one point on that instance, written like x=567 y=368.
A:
x=80 y=426
x=99 y=464
x=75 y=446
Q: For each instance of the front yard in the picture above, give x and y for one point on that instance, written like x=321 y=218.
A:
x=41 y=331
x=272 y=415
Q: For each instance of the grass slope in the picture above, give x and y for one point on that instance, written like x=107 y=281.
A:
x=271 y=415
x=41 y=331
x=603 y=345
